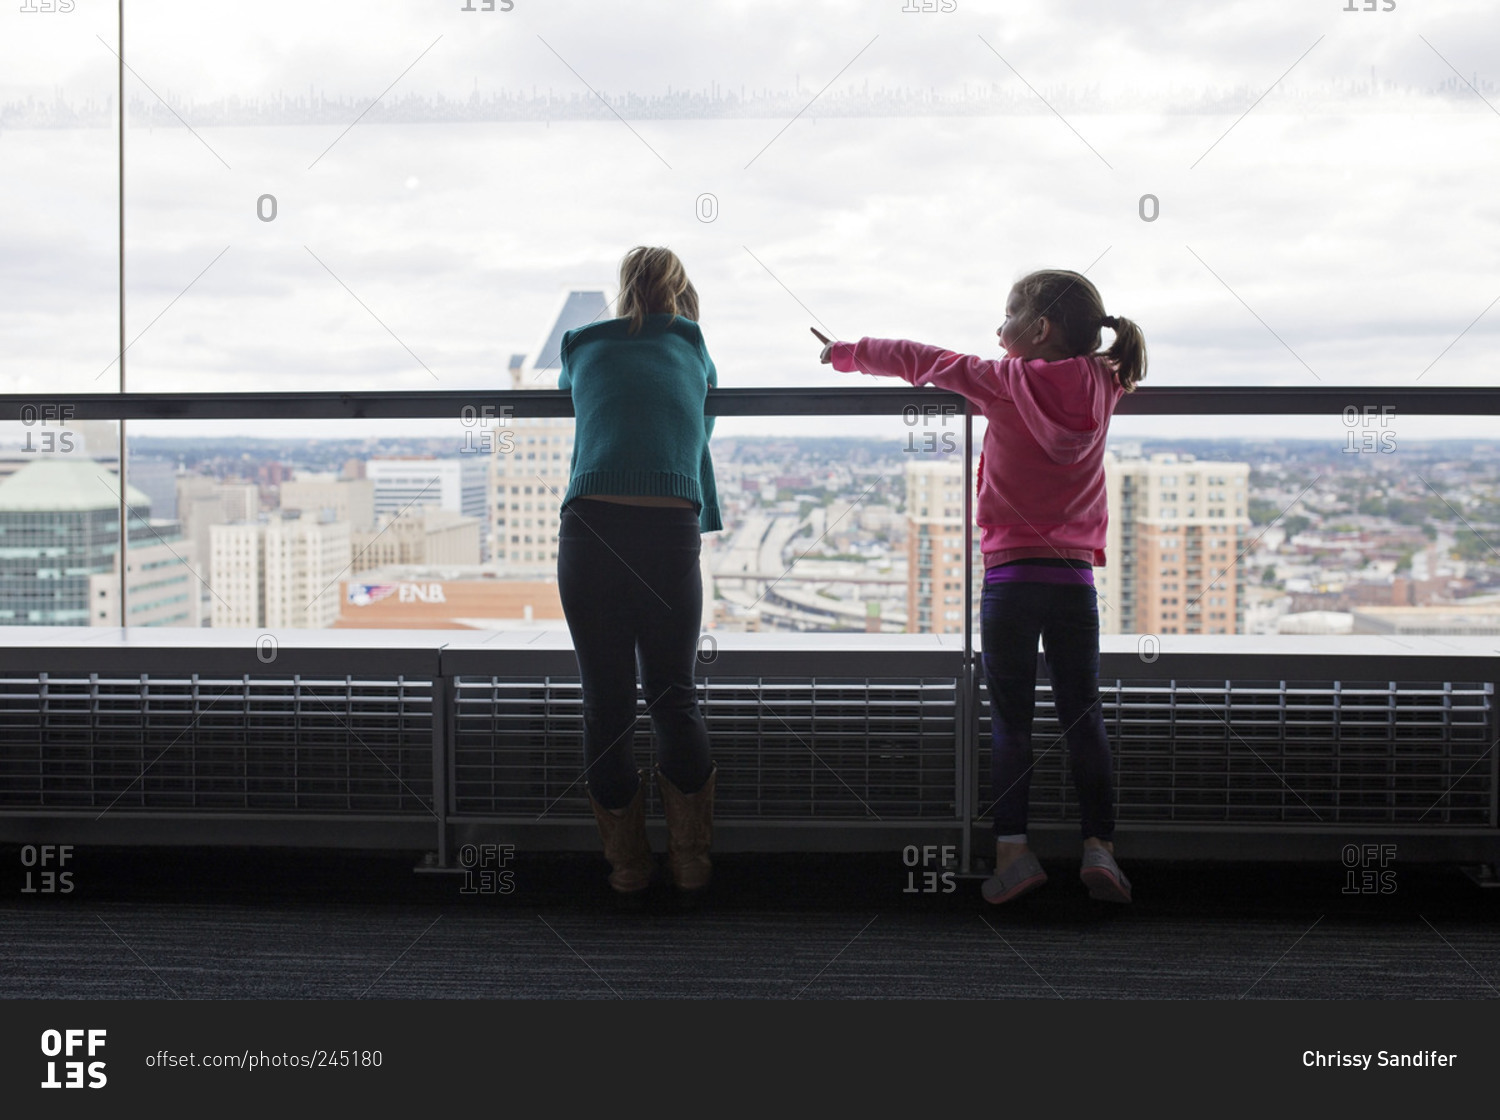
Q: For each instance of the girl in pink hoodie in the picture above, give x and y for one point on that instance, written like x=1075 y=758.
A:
x=1042 y=513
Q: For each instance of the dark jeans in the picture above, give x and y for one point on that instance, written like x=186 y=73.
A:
x=1066 y=618
x=630 y=587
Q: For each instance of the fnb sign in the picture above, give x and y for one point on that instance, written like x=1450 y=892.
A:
x=420 y=593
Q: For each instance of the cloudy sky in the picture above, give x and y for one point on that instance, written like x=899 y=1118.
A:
x=1325 y=182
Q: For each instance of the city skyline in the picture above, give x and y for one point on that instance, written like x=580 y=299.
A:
x=823 y=536
x=716 y=101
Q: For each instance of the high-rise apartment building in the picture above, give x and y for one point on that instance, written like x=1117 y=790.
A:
x=935 y=547
x=1177 y=527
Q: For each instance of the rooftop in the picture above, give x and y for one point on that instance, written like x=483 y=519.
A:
x=66 y=484
x=579 y=309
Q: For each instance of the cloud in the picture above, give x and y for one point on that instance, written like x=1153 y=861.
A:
x=1360 y=231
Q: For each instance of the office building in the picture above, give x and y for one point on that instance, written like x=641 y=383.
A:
x=163 y=587
x=340 y=499
x=532 y=457
x=237 y=563
x=279 y=573
x=156 y=477
x=59 y=545
x=459 y=485
x=450 y=597
x=422 y=535
x=203 y=502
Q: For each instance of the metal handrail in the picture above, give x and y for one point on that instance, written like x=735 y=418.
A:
x=401 y=404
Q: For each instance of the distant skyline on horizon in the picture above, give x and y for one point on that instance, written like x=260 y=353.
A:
x=854 y=99
x=1269 y=239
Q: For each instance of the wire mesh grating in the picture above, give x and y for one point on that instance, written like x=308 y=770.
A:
x=1276 y=752
x=841 y=748
x=253 y=744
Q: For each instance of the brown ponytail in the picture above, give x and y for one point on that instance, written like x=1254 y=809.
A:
x=1127 y=352
x=1070 y=302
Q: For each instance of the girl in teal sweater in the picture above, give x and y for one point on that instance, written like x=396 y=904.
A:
x=641 y=492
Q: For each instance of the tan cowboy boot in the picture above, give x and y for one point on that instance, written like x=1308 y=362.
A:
x=690 y=831
x=625 y=845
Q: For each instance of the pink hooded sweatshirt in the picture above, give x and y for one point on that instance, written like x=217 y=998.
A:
x=1041 y=471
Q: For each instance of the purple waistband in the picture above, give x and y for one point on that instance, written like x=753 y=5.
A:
x=1038 y=573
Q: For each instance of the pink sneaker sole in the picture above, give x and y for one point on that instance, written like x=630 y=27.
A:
x=1106 y=885
x=1021 y=877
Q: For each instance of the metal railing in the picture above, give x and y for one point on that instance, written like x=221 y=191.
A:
x=432 y=740
x=400 y=404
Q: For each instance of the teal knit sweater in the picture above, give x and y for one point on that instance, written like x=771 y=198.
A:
x=638 y=403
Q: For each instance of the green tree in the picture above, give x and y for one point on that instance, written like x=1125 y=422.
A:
x=1262 y=512
x=1470 y=545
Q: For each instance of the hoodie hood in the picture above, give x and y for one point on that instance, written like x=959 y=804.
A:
x=1065 y=405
